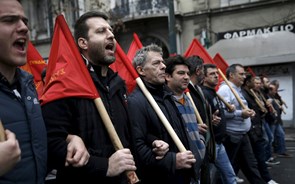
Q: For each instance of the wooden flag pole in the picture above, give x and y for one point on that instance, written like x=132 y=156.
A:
x=228 y=106
x=258 y=102
x=199 y=119
x=269 y=105
x=2 y=132
x=280 y=106
x=160 y=114
x=233 y=90
x=132 y=177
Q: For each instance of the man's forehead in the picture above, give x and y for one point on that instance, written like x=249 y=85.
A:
x=11 y=7
x=212 y=70
x=154 y=56
x=97 y=21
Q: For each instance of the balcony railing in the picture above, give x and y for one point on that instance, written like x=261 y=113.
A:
x=139 y=8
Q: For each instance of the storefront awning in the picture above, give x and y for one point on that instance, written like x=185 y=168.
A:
x=277 y=47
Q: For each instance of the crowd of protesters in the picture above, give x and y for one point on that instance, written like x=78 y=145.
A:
x=175 y=138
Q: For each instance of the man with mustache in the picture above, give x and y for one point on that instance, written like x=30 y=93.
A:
x=79 y=116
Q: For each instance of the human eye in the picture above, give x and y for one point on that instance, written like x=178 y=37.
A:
x=14 y=19
x=156 y=63
x=181 y=72
x=9 y=19
x=242 y=74
x=100 y=30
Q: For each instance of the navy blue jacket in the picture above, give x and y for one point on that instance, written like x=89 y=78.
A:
x=22 y=115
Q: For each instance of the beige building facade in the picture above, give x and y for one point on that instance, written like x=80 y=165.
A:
x=256 y=33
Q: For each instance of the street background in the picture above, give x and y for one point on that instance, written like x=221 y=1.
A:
x=284 y=173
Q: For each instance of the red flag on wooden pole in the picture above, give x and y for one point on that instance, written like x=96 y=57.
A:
x=134 y=46
x=69 y=77
x=197 y=49
x=120 y=66
x=35 y=65
x=249 y=69
x=133 y=74
x=220 y=62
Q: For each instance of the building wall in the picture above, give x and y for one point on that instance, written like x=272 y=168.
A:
x=252 y=17
x=192 y=18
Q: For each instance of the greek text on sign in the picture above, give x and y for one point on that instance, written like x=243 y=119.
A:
x=256 y=31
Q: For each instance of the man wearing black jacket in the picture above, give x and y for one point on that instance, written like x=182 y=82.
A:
x=222 y=161
x=256 y=131
x=175 y=167
x=79 y=116
x=206 y=129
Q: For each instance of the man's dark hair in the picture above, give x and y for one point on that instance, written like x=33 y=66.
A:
x=248 y=79
x=81 y=29
x=232 y=69
x=275 y=82
x=262 y=76
x=172 y=61
x=194 y=62
x=208 y=65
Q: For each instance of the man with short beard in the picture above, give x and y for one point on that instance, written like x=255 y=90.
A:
x=222 y=162
x=79 y=116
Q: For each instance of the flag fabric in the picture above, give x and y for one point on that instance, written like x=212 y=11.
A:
x=134 y=46
x=249 y=70
x=220 y=62
x=122 y=66
x=67 y=74
x=197 y=49
x=35 y=65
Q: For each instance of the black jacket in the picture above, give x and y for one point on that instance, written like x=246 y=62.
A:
x=206 y=115
x=255 y=132
x=79 y=116
x=215 y=103
x=22 y=115
x=147 y=127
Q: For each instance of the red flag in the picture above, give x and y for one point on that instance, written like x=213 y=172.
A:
x=134 y=46
x=35 y=65
x=249 y=69
x=196 y=48
x=126 y=64
x=122 y=66
x=220 y=62
x=67 y=75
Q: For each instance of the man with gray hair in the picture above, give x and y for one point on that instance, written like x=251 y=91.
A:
x=175 y=167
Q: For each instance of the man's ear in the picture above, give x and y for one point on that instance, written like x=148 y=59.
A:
x=140 y=70
x=168 y=77
x=82 y=43
x=197 y=71
x=231 y=75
